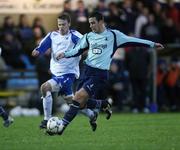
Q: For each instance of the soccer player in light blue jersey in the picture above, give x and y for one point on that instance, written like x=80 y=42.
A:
x=63 y=71
x=101 y=44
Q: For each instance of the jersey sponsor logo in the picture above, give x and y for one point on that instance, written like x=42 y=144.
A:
x=96 y=51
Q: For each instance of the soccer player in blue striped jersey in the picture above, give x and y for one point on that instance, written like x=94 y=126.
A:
x=63 y=71
x=101 y=44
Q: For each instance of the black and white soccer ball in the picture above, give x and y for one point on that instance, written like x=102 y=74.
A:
x=54 y=125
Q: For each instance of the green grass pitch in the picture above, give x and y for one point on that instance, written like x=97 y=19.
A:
x=121 y=132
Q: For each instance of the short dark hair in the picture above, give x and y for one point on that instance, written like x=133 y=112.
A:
x=65 y=16
x=97 y=15
x=67 y=1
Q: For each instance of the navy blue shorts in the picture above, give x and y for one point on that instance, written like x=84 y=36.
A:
x=93 y=80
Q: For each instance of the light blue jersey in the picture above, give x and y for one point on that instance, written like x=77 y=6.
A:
x=103 y=46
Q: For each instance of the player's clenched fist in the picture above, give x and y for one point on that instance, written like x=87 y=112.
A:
x=158 y=46
x=35 y=53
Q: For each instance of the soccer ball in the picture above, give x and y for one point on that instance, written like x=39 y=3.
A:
x=54 y=125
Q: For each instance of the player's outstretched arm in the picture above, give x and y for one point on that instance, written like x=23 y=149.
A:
x=79 y=48
x=124 y=40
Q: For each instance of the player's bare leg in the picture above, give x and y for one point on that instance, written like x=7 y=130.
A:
x=79 y=101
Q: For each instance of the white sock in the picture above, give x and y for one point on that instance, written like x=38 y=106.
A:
x=47 y=105
x=87 y=112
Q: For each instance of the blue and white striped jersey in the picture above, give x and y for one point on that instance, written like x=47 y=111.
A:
x=103 y=46
x=61 y=43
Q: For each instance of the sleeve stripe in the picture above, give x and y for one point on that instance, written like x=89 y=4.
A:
x=44 y=44
x=115 y=43
x=133 y=44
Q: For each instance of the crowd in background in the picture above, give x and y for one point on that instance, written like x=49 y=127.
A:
x=131 y=69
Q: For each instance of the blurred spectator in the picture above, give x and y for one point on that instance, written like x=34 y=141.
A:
x=12 y=51
x=68 y=9
x=81 y=17
x=139 y=7
x=103 y=9
x=115 y=20
x=118 y=83
x=39 y=23
x=161 y=93
x=130 y=16
x=172 y=78
x=25 y=35
x=178 y=87
x=38 y=35
x=42 y=68
x=150 y=30
x=138 y=64
x=149 y=2
x=8 y=26
x=157 y=11
x=3 y=75
x=141 y=20
x=169 y=32
x=173 y=13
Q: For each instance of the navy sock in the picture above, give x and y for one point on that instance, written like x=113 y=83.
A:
x=3 y=113
x=70 y=115
x=104 y=104
x=96 y=104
